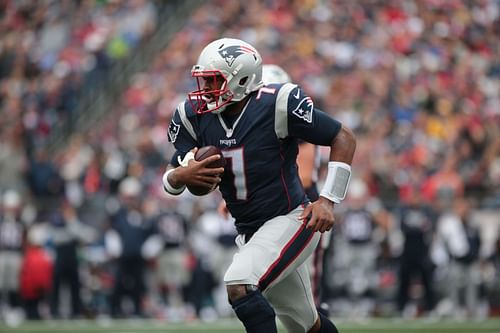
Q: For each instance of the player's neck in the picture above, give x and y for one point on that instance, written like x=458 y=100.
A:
x=236 y=108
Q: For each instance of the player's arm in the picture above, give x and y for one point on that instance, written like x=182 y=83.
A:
x=183 y=170
x=305 y=161
x=342 y=149
x=335 y=186
x=300 y=119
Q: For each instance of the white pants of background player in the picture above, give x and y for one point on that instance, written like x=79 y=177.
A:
x=275 y=260
x=315 y=266
x=10 y=267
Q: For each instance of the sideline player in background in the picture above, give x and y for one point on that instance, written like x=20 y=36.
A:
x=257 y=128
x=308 y=161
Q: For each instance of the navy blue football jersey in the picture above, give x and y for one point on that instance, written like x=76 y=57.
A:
x=260 y=145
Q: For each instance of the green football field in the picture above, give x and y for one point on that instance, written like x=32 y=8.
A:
x=232 y=326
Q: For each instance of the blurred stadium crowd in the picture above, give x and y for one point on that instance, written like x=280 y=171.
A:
x=87 y=231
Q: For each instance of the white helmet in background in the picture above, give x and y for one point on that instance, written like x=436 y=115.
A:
x=274 y=74
x=234 y=65
x=130 y=187
x=11 y=199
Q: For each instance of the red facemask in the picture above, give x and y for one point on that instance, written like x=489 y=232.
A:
x=212 y=92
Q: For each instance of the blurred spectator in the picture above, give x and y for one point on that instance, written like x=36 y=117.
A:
x=462 y=241
x=387 y=276
x=417 y=223
x=36 y=273
x=361 y=235
x=45 y=182
x=492 y=283
x=13 y=162
x=172 y=268
x=130 y=231
x=66 y=233
x=11 y=247
x=220 y=234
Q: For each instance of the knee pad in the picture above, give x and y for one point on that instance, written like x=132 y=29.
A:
x=248 y=289
x=255 y=313
x=326 y=325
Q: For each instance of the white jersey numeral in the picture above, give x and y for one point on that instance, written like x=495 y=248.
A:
x=238 y=170
x=266 y=91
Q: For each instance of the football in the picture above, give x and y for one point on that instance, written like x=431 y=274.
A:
x=201 y=154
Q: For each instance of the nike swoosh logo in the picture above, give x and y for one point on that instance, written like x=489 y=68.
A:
x=298 y=94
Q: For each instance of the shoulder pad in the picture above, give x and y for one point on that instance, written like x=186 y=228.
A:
x=281 y=110
x=185 y=112
x=188 y=108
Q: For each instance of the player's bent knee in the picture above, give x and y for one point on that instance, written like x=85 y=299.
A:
x=326 y=325
x=235 y=292
x=255 y=312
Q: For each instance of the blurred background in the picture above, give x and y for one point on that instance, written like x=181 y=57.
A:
x=87 y=90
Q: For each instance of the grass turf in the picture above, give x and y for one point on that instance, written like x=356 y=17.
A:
x=233 y=326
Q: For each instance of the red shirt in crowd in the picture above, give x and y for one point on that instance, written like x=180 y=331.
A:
x=36 y=273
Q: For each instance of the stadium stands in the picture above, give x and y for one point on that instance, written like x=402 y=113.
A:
x=418 y=82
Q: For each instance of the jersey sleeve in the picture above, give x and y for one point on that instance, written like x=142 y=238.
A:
x=181 y=134
x=297 y=117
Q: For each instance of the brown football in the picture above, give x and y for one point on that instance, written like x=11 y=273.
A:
x=201 y=154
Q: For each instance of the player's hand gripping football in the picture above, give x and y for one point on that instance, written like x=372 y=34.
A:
x=199 y=173
x=319 y=215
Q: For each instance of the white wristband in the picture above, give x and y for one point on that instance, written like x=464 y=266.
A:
x=337 y=181
x=168 y=187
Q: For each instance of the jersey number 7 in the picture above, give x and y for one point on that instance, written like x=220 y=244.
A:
x=238 y=170
x=236 y=156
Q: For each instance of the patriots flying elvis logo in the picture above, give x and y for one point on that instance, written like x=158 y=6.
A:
x=305 y=109
x=173 y=131
x=230 y=53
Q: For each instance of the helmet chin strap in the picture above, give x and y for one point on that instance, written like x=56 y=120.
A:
x=211 y=106
x=219 y=110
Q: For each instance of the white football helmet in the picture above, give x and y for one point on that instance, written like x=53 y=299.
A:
x=235 y=70
x=274 y=74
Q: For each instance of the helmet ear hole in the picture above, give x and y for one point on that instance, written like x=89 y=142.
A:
x=243 y=81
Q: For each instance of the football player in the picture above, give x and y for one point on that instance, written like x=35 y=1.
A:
x=257 y=128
